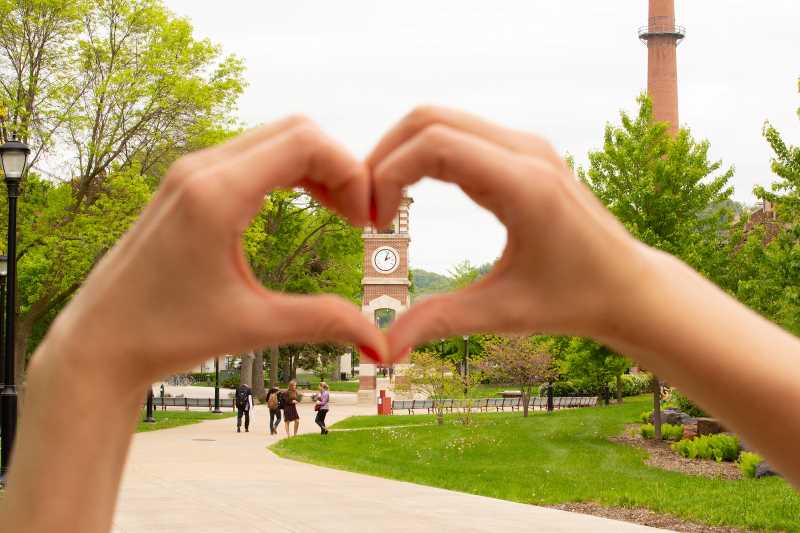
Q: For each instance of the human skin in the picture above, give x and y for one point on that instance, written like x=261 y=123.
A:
x=569 y=267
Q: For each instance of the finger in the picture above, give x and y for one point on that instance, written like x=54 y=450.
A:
x=301 y=154
x=271 y=318
x=491 y=175
x=188 y=165
x=463 y=312
x=422 y=117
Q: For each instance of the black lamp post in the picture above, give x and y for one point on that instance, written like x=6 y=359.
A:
x=149 y=418
x=466 y=364
x=3 y=274
x=14 y=156
x=216 y=386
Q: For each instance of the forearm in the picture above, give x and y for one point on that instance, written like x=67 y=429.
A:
x=71 y=448
x=741 y=367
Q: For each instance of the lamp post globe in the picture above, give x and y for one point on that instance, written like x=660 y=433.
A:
x=14 y=156
x=14 y=160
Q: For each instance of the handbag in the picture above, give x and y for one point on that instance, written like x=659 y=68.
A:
x=316 y=406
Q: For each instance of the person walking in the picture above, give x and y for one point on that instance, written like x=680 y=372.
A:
x=244 y=403
x=291 y=399
x=322 y=406
x=274 y=405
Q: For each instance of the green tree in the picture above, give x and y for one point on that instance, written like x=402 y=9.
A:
x=664 y=189
x=108 y=93
x=295 y=245
x=518 y=360
x=593 y=366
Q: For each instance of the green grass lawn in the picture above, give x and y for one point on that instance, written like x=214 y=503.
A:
x=545 y=459
x=171 y=419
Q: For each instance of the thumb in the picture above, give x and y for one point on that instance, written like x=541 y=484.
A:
x=286 y=318
x=468 y=310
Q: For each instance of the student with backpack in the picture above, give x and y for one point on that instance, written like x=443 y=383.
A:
x=274 y=397
x=244 y=403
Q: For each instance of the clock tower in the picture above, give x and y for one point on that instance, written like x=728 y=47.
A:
x=385 y=283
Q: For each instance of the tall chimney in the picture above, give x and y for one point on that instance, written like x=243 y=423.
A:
x=662 y=36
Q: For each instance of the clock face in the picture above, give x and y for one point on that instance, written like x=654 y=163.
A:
x=385 y=260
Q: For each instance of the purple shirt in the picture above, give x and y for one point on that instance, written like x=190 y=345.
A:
x=324 y=398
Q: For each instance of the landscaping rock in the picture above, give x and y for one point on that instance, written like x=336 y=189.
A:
x=690 y=431
x=709 y=426
x=676 y=417
x=764 y=470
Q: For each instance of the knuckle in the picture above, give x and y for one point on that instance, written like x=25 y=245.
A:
x=297 y=119
x=180 y=171
x=423 y=115
x=306 y=135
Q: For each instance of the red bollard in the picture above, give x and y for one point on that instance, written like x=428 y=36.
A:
x=384 y=404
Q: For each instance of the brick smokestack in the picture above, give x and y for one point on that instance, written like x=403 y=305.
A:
x=662 y=36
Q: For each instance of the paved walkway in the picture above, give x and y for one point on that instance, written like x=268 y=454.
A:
x=207 y=478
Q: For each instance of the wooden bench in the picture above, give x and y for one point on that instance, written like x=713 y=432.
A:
x=187 y=403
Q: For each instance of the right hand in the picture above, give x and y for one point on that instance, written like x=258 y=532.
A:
x=567 y=259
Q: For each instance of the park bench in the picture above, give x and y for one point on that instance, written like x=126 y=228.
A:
x=187 y=403
x=499 y=404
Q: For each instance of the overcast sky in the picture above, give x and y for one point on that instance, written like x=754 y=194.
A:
x=562 y=69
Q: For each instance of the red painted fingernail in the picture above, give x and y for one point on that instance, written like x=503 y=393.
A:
x=370 y=352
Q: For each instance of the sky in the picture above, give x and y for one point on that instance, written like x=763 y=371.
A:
x=561 y=69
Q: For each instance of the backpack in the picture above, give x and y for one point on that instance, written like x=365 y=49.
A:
x=272 y=403
x=242 y=393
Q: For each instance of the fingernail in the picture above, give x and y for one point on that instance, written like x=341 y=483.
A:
x=370 y=352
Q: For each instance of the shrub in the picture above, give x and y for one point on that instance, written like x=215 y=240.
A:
x=646 y=417
x=748 y=461
x=632 y=384
x=668 y=431
x=719 y=447
x=673 y=432
x=230 y=382
x=686 y=405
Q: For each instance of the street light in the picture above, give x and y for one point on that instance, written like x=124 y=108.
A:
x=3 y=274
x=216 y=386
x=14 y=157
x=466 y=364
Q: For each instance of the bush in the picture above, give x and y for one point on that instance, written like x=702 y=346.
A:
x=230 y=382
x=646 y=417
x=673 y=432
x=719 y=447
x=632 y=384
x=748 y=462
x=686 y=405
x=668 y=431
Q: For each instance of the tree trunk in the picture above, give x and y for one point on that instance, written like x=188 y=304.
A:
x=619 y=388
x=656 y=408
x=274 y=352
x=23 y=331
x=525 y=401
x=246 y=370
x=258 y=377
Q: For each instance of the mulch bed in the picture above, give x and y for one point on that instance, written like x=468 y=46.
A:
x=662 y=456
x=644 y=517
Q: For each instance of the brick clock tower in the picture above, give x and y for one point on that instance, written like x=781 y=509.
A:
x=385 y=284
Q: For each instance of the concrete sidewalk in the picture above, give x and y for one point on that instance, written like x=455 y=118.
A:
x=207 y=478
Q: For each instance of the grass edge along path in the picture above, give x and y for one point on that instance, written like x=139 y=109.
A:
x=172 y=419
x=545 y=459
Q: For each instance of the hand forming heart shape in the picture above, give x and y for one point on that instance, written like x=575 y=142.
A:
x=559 y=266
